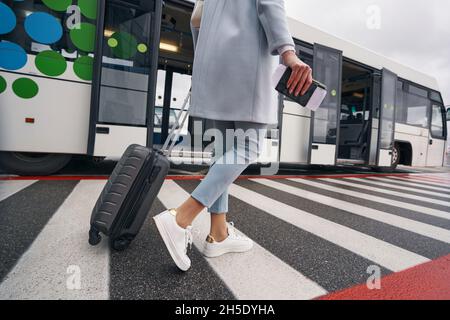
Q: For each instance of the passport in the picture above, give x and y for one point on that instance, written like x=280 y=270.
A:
x=312 y=99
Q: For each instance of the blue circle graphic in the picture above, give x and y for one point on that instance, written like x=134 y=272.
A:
x=43 y=27
x=12 y=56
x=8 y=19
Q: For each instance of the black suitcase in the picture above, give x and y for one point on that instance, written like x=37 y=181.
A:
x=127 y=197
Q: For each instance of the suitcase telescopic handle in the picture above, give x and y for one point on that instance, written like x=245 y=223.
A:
x=175 y=131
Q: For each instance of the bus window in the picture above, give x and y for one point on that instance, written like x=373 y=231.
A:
x=412 y=108
x=305 y=54
x=436 y=96
x=19 y=35
x=437 y=122
x=418 y=91
x=126 y=65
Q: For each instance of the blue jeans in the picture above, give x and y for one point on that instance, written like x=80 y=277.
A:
x=236 y=146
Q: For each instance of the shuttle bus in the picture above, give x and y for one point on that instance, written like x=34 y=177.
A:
x=92 y=77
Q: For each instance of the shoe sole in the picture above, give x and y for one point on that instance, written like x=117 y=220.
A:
x=169 y=245
x=219 y=253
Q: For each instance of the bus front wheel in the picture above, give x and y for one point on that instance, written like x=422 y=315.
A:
x=395 y=156
x=25 y=163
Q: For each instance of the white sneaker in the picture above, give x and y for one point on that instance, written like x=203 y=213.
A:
x=234 y=243
x=175 y=238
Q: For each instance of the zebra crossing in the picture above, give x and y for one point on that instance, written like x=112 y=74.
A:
x=313 y=236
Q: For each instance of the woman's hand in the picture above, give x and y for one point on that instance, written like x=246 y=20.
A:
x=301 y=77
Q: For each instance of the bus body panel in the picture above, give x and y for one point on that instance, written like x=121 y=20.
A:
x=60 y=111
x=295 y=134
x=355 y=52
x=323 y=154
x=435 y=152
x=114 y=143
x=418 y=139
x=385 y=158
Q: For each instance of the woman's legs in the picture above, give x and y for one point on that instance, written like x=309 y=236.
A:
x=188 y=211
x=212 y=192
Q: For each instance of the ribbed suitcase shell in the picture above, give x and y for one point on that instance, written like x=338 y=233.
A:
x=126 y=199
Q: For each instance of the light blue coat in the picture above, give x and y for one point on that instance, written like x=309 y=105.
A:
x=235 y=56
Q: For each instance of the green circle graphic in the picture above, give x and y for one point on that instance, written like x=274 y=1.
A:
x=83 y=67
x=51 y=63
x=83 y=36
x=142 y=48
x=25 y=88
x=88 y=8
x=57 y=5
x=112 y=43
x=126 y=47
x=2 y=84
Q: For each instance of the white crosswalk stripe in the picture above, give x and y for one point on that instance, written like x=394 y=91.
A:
x=391 y=219
x=51 y=266
x=264 y=275
x=388 y=192
x=379 y=182
x=437 y=178
x=418 y=180
x=395 y=203
x=410 y=183
x=409 y=186
x=380 y=252
x=8 y=188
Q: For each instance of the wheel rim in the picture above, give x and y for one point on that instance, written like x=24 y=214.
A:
x=394 y=155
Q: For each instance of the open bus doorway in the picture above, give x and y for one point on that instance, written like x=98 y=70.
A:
x=176 y=57
x=355 y=115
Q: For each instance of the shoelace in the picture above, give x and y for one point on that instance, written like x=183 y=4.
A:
x=231 y=231
x=189 y=238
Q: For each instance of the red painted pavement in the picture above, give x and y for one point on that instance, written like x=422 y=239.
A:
x=198 y=177
x=429 y=281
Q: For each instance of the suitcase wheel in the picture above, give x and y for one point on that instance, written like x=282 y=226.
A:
x=94 y=237
x=120 y=244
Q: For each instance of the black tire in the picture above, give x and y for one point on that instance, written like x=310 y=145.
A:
x=94 y=237
x=120 y=244
x=25 y=164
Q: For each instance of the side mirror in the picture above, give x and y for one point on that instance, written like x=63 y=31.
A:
x=448 y=114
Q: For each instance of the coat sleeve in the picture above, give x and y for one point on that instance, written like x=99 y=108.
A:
x=272 y=15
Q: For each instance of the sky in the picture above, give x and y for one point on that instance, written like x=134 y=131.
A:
x=413 y=32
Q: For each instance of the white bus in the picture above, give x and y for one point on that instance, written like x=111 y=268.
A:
x=92 y=79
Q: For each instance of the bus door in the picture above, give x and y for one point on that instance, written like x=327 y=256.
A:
x=386 y=119
x=324 y=134
x=124 y=81
x=438 y=134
